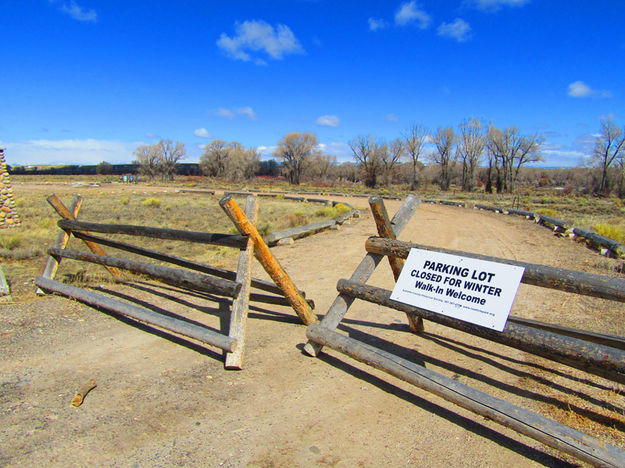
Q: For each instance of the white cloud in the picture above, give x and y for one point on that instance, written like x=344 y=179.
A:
x=459 y=30
x=227 y=113
x=259 y=36
x=410 y=12
x=79 y=13
x=376 y=24
x=391 y=118
x=248 y=111
x=495 y=5
x=201 y=132
x=579 y=89
x=87 y=151
x=328 y=121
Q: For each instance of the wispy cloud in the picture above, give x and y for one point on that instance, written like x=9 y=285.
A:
x=375 y=24
x=496 y=5
x=231 y=114
x=248 y=112
x=202 y=133
x=74 y=151
x=76 y=11
x=258 y=36
x=579 y=89
x=391 y=118
x=459 y=30
x=227 y=113
x=410 y=12
x=328 y=121
x=341 y=150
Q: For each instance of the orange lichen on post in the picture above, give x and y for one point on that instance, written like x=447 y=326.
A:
x=268 y=261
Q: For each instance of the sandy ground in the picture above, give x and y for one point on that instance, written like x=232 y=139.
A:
x=164 y=401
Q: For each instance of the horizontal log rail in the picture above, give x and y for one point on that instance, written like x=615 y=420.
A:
x=298 y=232
x=614 y=341
x=557 y=223
x=263 y=285
x=594 y=358
x=174 y=276
x=226 y=240
x=494 y=209
x=452 y=203
x=587 y=284
x=533 y=425
x=181 y=327
x=615 y=247
x=527 y=214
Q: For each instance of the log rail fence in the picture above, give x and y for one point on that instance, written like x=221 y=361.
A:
x=595 y=353
x=193 y=276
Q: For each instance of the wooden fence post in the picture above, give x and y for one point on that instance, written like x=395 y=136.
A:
x=61 y=242
x=385 y=229
x=238 y=315
x=363 y=271
x=67 y=214
x=268 y=261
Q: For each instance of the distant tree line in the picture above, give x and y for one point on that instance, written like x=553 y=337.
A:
x=473 y=156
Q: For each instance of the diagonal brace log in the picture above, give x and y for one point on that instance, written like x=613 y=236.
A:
x=361 y=274
x=268 y=261
x=52 y=265
x=385 y=229
x=67 y=214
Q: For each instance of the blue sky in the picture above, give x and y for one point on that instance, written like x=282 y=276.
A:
x=87 y=81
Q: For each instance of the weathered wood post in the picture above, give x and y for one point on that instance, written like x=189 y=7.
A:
x=52 y=264
x=238 y=315
x=67 y=214
x=268 y=261
x=386 y=230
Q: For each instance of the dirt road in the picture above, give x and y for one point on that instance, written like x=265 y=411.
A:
x=165 y=401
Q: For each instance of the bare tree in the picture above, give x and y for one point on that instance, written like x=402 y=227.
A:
x=242 y=162
x=229 y=160
x=414 y=142
x=609 y=147
x=320 y=166
x=160 y=159
x=511 y=151
x=471 y=144
x=214 y=159
x=147 y=160
x=296 y=150
x=443 y=139
x=390 y=155
x=366 y=153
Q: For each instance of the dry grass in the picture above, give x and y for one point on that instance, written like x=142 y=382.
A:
x=23 y=249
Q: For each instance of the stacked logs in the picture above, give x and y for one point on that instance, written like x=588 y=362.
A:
x=8 y=215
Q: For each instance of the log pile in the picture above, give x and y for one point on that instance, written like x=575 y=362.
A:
x=8 y=215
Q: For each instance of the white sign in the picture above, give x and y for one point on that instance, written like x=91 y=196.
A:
x=476 y=291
